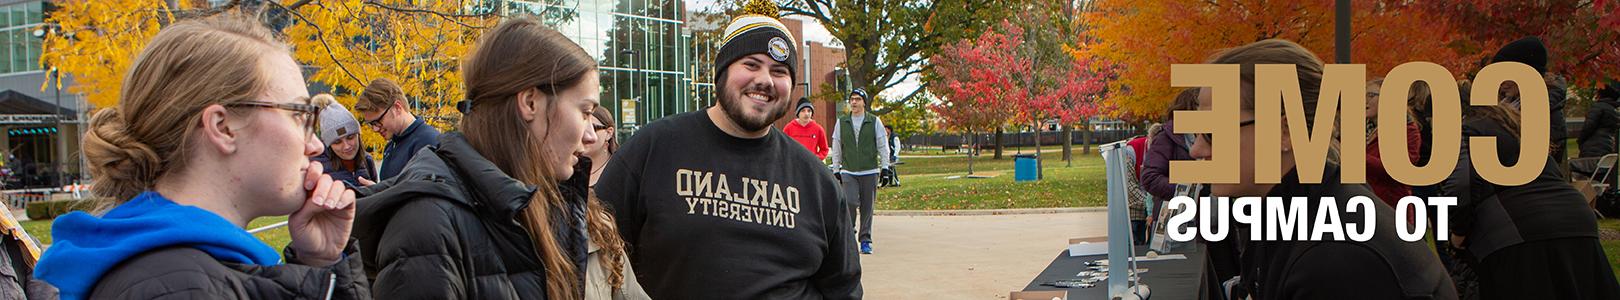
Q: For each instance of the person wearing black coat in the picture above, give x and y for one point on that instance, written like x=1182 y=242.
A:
x=502 y=209
x=189 y=273
x=1602 y=123
x=1538 y=240
x=446 y=229
x=1533 y=52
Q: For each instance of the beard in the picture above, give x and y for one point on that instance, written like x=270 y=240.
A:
x=738 y=114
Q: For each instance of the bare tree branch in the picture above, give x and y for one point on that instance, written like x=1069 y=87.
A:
x=296 y=5
x=454 y=18
x=180 y=14
x=890 y=106
x=319 y=35
x=794 y=11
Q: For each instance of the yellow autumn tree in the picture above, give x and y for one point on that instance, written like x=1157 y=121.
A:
x=419 y=46
x=95 y=42
x=346 y=43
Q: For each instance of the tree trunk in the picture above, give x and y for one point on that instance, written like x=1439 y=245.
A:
x=1068 y=145
x=998 y=143
x=1085 y=136
x=973 y=150
x=1038 y=172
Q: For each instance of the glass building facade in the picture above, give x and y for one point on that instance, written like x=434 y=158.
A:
x=644 y=50
x=42 y=123
x=18 y=21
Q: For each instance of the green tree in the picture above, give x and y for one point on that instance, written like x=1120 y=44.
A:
x=887 y=42
x=912 y=117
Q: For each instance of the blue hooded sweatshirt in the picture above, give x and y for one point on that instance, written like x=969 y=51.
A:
x=86 y=247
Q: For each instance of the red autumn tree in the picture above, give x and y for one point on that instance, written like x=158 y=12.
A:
x=971 y=78
x=1582 y=37
x=1058 y=86
x=1144 y=37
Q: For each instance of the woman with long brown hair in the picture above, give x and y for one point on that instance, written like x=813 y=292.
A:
x=501 y=209
x=214 y=128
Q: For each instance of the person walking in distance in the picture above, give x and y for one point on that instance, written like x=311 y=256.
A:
x=860 y=150
x=806 y=131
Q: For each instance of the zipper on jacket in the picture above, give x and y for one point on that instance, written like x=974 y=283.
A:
x=331 y=285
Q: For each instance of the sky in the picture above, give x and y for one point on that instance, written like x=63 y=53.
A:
x=814 y=32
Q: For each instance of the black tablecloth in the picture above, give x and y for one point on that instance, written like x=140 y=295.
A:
x=1166 y=279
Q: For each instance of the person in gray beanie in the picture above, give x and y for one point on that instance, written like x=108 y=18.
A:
x=344 y=158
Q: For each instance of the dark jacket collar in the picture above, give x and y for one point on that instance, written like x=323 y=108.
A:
x=409 y=130
x=453 y=170
x=495 y=191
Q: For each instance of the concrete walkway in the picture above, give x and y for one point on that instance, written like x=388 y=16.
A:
x=967 y=257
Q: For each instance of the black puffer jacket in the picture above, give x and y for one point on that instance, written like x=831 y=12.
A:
x=1597 y=132
x=187 y=273
x=447 y=228
x=1492 y=216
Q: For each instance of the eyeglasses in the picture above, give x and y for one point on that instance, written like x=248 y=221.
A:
x=377 y=123
x=305 y=112
x=1207 y=138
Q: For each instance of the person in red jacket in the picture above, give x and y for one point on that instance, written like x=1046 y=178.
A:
x=1385 y=187
x=805 y=130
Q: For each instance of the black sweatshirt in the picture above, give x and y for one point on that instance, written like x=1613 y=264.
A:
x=706 y=215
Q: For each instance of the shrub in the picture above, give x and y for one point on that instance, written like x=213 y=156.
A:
x=46 y=210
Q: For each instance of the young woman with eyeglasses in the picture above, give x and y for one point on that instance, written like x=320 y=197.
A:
x=214 y=129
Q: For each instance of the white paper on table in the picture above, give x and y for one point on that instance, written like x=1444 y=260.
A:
x=1162 y=257
x=1087 y=249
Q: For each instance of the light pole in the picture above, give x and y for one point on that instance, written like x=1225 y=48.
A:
x=61 y=143
x=1341 y=31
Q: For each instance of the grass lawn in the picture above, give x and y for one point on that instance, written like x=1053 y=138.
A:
x=925 y=185
x=1611 y=242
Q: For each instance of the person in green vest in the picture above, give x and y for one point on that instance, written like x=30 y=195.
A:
x=859 y=153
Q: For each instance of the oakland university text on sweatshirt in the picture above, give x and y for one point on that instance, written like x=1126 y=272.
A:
x=706 y=215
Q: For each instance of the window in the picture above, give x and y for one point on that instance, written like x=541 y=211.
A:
x=22 y=47
x=5 y=54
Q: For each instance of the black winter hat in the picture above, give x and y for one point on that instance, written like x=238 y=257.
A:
x=756 y=31
x=804 y=103
x=1610 y=90
x=1529 y=50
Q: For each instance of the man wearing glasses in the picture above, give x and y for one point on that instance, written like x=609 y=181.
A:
x=382 y=107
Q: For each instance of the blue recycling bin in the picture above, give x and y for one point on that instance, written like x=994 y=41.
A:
x=1025 y=168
